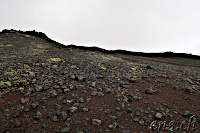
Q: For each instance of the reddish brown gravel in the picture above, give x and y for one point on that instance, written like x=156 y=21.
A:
x=46 y=87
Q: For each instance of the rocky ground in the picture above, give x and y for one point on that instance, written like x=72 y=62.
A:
x=45 y=87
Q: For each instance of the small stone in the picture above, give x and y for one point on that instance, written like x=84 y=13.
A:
x=93 y=84
x=136 y=119
x=38 y=116
x=66 y=90
x=118 y=108
x=190 y=81
x=119 y=114
x=77 y=123
x=17 y=124
x=107 y=131
x=35 y=105
x=60 y=83
x=80 y=132
x=94 y=93
x=107 y=90
x=99 y=76
x=125 y=131
x=34 y=81
x=65 y=130
x=55 y=119
x=158 y=116
x=96 y=122
x=146 y=112
x=44 y=126
x=131 y=79
x=26 y=110
x=39 y=88
x=72 y=109
x=85 y=109
x=72 y=76
x=131 y=115
x=148 y=67
x=83 y=91
x=81 y=78
x=48 y=115
x=175 y=88
x=187 y=114
x=198 y=119
x=141 y=122
x=63 y=116
x=79 y=87
x=149 y=91
x=137 y=113
x=32 y=74
x=61 y=98
x=100 y=94
x=76 y=104
x=71 y=87
x=113 y=126
x=130 y=97
x=24 y=101
x=57 y=106
x=58 y=112
x=80 y=100
x=114 y=117
x=188 y=89
x=129 y=110
x=53 y=93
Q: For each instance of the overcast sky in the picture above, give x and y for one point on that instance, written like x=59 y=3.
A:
x=134 y=25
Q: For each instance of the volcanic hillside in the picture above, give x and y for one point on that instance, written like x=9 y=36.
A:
x=46 y=87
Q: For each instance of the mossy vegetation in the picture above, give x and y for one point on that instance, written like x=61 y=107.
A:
x=9 y=73
x=5 y=84
x=55 y=60
x=103 y=68
x=20 y=81
x=55 y=66
x=20 y=89
x=9 y=45
x=73 y=66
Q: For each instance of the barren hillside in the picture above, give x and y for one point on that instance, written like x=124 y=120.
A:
x=48 y=87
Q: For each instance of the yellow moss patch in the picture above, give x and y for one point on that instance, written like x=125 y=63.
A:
x=6 y=84
x=8 y=73
x=134 y=68
x=9 y=45
x=73 y=66
x=103 y=68
x=26 y=66
x=54 y=60
x=54 y=66
x=88 y=99
x=21 y=89
x=27 y=35
x=19 y=80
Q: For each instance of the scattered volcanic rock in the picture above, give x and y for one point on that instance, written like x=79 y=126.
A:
x=73 y=109
x=149 y=91
x=48 y=87
x=188 y=89
x=96 y=122
x=65 y=130
x=38 y=116
x=158 y=116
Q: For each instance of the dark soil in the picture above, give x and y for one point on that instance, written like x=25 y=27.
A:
x=47 y=87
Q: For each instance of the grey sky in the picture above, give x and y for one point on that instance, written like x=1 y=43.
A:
x=134 y=25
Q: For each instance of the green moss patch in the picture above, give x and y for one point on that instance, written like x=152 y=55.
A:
x=6 y=84
x=54 y=66
x=55 y=60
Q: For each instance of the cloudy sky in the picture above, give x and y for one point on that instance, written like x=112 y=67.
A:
x=134 y=25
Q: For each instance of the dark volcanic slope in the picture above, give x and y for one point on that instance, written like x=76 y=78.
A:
x=47 y=87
